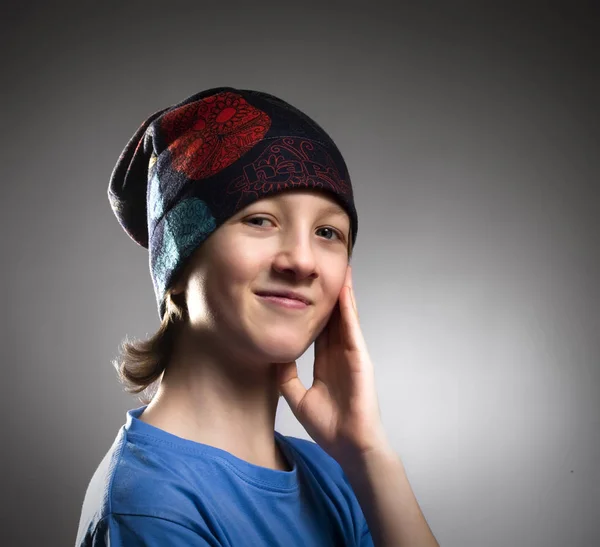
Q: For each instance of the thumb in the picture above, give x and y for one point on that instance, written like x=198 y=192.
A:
x=290 y=386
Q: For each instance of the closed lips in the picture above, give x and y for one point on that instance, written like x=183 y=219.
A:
x=286 y=294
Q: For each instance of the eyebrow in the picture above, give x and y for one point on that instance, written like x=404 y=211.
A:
x=333 y=210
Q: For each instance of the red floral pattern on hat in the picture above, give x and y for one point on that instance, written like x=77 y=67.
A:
x=207 y=136
x=289 y=163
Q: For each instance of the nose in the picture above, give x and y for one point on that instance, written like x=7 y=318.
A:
x=296 y=255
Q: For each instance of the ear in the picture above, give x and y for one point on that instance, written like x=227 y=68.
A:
x=179 y=282
x=177 y=288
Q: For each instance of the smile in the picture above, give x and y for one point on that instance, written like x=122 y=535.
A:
x=282 y=302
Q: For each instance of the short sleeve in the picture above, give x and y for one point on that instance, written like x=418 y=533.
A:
x=117 y=530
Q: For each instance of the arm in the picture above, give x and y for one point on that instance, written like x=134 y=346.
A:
x=341 y=413
x=387 y=500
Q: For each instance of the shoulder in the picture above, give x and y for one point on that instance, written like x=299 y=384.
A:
x=135 y=483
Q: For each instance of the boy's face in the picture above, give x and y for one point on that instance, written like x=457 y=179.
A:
x=294 y=247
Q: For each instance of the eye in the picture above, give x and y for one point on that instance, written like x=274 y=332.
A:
x=333 y=230
x=256 y=218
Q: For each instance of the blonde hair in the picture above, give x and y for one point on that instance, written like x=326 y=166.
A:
x=141 y=363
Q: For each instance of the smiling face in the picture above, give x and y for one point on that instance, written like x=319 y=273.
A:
x=296 y=240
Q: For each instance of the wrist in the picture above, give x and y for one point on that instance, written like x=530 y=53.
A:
x=362 y=460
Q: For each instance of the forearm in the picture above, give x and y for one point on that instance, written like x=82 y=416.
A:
x=387 y=500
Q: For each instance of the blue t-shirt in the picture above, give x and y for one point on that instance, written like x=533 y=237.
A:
x=155 y=489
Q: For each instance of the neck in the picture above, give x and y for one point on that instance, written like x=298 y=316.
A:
x=219 y=402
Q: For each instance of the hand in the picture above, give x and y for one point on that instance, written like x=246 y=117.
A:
x=340 y=411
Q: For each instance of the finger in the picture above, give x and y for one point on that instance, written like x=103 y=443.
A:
x=291 y=387
x=348 y=280
x=321 y=345
x=353 y=300
x=322 y=341
x=335 y=336
x=353 y=336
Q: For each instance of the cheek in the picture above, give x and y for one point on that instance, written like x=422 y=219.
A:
x=233 y=270
x=240 y=265
x=334 y=275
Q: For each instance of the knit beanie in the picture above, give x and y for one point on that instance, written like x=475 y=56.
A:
x=191 y=166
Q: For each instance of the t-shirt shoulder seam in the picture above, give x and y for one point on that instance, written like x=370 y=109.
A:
x=114 y=472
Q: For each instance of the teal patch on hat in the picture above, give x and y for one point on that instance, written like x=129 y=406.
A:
x=185 y=226
x=154 y=199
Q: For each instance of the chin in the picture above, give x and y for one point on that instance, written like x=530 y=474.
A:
x=283 y=354
x=284 y=349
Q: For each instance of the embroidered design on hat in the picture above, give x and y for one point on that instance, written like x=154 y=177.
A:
x=207 y=136
x=289 y=163
x=184 y=227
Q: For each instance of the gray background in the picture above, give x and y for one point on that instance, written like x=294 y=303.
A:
x=472 y=138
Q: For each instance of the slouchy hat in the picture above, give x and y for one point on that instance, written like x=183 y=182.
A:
x=191 y=166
